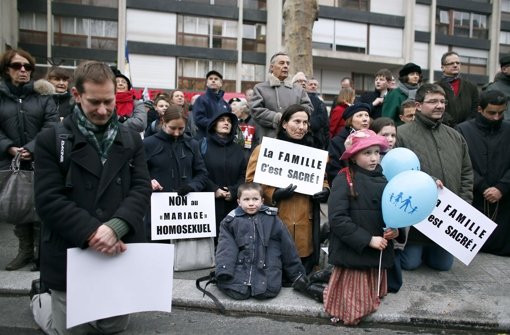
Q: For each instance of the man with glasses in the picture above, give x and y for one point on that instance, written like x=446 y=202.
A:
x=24 y=112
x=444 y=155
x=461 y=94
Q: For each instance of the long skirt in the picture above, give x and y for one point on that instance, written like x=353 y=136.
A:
x=351 y=294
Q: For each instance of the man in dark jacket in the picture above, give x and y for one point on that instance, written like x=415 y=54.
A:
x=461 y=94
x=443 y=154
x=487 y=136
x=502 y=81
x=319 y=120
x=93 y=193
x=24 y=111
x=211 y=104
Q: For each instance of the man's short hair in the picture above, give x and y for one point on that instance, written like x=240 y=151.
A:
x=494 y=97
x=408 y=103
x=5 y=60
x=447 y=54
x=279 y=53
x=93 y=71
x=249 y=186
x=384 y=73
x=428 y=89
x=58 y=72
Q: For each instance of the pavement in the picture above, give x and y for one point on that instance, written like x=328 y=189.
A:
x=473 y=298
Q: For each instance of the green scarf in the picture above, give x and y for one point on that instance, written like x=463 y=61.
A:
x=93 y=132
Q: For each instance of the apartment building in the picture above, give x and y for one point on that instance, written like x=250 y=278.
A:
x=173 y=43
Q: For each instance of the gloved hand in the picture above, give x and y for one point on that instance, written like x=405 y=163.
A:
x=184 y=189
x=283 y=193
x=322 y=196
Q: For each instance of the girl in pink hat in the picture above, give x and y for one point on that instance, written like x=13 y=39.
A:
x=358 y=238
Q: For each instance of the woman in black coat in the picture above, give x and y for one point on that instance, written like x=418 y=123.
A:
x=24 y=112
x=225 y=163
x=173 y=159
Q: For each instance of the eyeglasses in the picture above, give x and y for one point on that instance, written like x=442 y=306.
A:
x=435 y=102
x=451 y=63
x=18 y=66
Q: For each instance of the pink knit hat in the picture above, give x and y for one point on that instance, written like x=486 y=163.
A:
x=362 y=139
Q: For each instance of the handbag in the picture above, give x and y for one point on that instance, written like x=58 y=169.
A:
x=193 y=254
x=17 y=203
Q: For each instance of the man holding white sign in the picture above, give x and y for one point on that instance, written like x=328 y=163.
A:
x=488 y=136
x=91 y=193
x=292 y=177
x=443 y=154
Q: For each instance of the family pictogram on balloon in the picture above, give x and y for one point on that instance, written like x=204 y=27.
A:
x=404 y=204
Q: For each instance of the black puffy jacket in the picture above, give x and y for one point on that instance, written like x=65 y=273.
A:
x=353 y=221
x=23 y=117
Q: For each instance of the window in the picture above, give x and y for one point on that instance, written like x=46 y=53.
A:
x=191 y=74
x=352 y=4
x=347 y=36
x=504 y=40
x=217 y=33
x=84 y=33
x=101 y=3
x=474 y=65
x=32 y=28
x=463 y=24
x=363 y=82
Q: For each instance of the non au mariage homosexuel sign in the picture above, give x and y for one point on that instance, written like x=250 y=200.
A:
x=181 y=217
x=456 y=226
x=281 y=163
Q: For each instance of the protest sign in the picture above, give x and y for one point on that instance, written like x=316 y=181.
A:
x=281 y=163
x=101 y=286
x=457 y=226
x=180 y=217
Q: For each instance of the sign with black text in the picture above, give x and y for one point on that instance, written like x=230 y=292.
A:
x=179 y=217
x=457 y=226
x=281 y=163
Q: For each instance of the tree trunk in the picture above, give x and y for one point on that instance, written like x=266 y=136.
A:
x=299 y=17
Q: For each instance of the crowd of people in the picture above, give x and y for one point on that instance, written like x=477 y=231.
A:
x=116 y=150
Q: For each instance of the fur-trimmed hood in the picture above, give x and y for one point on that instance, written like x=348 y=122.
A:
x=44 y=87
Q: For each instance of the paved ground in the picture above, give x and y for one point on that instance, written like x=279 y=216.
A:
x=469 y=298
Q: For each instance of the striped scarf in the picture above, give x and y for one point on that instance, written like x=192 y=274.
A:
x=90 y=130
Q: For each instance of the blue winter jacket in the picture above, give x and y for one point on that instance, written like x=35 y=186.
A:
x=208 y=107
x=253 y=250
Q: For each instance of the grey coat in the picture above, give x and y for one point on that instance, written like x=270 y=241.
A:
x=502 y=83
x=269 y=101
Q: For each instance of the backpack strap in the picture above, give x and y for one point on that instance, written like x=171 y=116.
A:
x=348 y=176
x=211 y=279
x=63 y=141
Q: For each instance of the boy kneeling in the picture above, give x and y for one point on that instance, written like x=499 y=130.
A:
x=253 y=247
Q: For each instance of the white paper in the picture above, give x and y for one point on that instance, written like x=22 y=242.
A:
x=281 y=163
x=180 y=217
x=457 y=226
x=100 y=286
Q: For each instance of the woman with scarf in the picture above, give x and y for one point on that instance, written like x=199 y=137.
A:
x=299 y=212
x=410 y=77
x=130 y=111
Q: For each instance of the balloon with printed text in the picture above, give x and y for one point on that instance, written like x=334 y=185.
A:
x=408 y=198
x=399 y=160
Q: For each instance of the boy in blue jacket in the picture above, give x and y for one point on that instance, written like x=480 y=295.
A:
x=254 y=246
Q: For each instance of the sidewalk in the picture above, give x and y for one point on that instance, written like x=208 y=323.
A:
x=474 y=297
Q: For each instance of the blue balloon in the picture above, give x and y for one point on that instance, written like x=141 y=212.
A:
x=399 y=160
x=408 y=198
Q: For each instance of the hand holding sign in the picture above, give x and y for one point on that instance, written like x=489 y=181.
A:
x=283 y=193
x=408 y=198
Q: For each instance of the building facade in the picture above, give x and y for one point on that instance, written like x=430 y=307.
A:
x=173 y=43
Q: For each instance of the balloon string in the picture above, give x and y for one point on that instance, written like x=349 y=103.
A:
x=379 y=275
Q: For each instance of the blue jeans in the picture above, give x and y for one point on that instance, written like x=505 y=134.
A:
x=432 y=255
